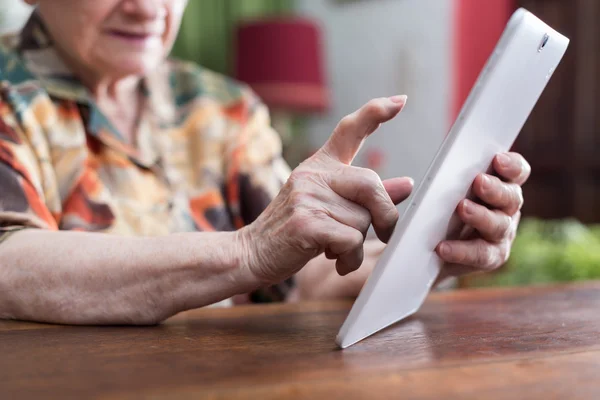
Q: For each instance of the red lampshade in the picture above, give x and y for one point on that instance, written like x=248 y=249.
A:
x=281 y=61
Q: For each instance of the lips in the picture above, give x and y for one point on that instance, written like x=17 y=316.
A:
x=133 y=35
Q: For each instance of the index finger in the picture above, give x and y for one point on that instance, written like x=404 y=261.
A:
x=350 y=133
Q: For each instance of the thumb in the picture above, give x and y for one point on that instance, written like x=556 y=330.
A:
x=353 y=129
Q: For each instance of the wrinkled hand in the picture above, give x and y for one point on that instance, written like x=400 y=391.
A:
x=485 y=244
x=492 y=225
x=327 y=205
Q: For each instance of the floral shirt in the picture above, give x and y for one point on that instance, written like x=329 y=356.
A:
x=205 y=157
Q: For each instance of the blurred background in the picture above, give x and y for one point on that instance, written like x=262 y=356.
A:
x=314 y=61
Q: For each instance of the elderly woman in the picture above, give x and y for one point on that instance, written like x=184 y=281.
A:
x=134 y=187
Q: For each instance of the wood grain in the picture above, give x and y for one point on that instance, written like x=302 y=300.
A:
x=492 y=344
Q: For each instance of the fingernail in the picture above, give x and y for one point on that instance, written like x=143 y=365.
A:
x=399 y=99
x=503 y=160
x=468 y=207
x=445 y=249
x=485 y=183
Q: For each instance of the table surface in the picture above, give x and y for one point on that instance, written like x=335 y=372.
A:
x=482 y=344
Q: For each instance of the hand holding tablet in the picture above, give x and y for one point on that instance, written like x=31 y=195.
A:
x=493 y=115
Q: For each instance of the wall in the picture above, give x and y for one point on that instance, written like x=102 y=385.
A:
x=384 y=47
x=478 y=26
x=13 y=14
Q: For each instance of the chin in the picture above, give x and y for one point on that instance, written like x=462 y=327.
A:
x=126 y=66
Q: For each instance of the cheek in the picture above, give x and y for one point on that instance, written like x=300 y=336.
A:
x=177 y=8
x=79 y=49
x=175 y=14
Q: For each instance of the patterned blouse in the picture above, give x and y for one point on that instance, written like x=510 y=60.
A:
x=205 y=157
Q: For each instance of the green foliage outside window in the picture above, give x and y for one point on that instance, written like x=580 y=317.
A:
x=549 y=251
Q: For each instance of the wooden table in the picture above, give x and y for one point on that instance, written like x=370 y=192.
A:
x=481 y=344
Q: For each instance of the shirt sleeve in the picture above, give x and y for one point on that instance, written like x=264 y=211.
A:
x=21 y=199
x=256 y=175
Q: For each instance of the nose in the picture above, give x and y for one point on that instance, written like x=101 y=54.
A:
x=144 y=9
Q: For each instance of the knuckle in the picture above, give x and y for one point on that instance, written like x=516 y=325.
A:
x=362 y=220
x=525 y=167
x=294 y=180
x=304 y=180
x=326 y=239
x=298 y=198
x=365 y=190
x=372 y=176
x=502 y=228
x=501 y=190
x=485 y=257
x=365 y=218
x=355 y=239
x=298 y=175
x=374 y=109
x=514 y=224
x=519 y=196
x=373 y=187
x=370 y=182
x=391 y=216
x=346 y=123
x=499 y=194
x=299 y=222
x=505 y=253
x=512 y=198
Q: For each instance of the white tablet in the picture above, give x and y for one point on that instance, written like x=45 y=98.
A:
x=498 y=106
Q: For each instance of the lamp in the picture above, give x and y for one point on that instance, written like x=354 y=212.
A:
x=280 y=59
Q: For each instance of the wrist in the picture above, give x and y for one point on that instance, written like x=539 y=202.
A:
x=244 y=254
x=205 y=268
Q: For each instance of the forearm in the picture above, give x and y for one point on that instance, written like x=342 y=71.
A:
x=91 y=278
